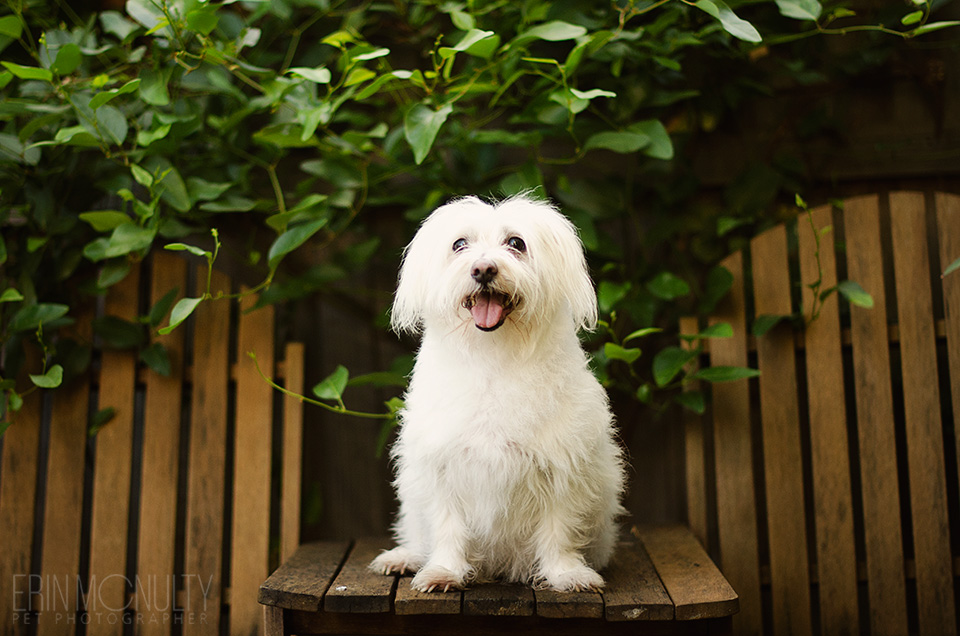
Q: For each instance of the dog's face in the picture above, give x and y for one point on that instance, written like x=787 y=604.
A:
x=517 y=263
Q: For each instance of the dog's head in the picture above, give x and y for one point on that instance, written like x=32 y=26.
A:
x=517 y=262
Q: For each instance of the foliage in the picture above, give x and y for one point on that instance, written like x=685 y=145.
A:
x=300 y=128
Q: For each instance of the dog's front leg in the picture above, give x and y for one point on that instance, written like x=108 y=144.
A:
x=446 y=567
x=559 y=565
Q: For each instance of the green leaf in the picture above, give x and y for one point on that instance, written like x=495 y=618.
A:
x=117 y=333
x=717 y=330
x=727 y=224
x=162 y=307
x=49 y=380
x=855 y=294
x=609 y=294
x=669 y=362
x=554 y=31
x=126 y=238
x=100 y=419
x=157 y=358
x=103 y=97
x=640 y=333
x=934 y=26
x=952 y=267
x=913 y=17
x=420 y=127
x=203 y=20
x=692 y=400
x=372 y=55
x=468 y=43
x=667 y=286
x=800 y=9
x=332 y=387
x=724 y=374
x=291 y=240
x=10 y=295
x=67 y=60
x=10 y=26
x=105 y=220
x=731 y=23
x=153 y=87
x=32 y=316
x=183 y=247
x=717 y=285
x=28 y=72
x=319 y=75
x=764 y=323
x=616 y=352
x=660 y=146
x=112 y=122
x=620 y=141
x=202 y=190
x=113 y=272
x=114 y=22
x=181 y=311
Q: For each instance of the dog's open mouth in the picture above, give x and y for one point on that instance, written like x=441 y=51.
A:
x=489 y=309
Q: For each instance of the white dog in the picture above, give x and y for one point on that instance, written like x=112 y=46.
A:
x=507 y=463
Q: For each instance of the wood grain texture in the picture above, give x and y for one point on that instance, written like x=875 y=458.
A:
x=250 y=542
x=273 y=621
x=18 y=492
x=207 y=463
x=783 y=460
x=357 y=588
x=292 y=452
x=696 y=587
x=496 y=599
x=161 y=455
x=411 y=601
x=875 y=424
x=302 y=580
x=633 y=589
x=63 y=497
x=733 y=448
x=552 y=604
x=110 y=517
x=693 y=447
x=921 y=396
x=829 y=447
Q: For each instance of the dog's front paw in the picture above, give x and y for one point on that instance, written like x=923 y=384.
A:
x=436 y=578
x=396 y=561
x=578 y=579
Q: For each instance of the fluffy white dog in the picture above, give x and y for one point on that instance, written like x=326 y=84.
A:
x=507 y=465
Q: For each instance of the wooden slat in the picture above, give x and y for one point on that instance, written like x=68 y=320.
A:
x=736 y=510
x=301 y=581
x=633 y=590
x=63 y=499
x=779 y=412
x=696 y=587
x=411 y=601
x=693 y=446
x=921 y=396
x=250 y=543
x=161 y=453
x=357 y=588
x=948 y=231
x=112 y=469
x=292 y=457
x=552 y=604
x=18 y=491
x=495 y=599
x=206 y=463
x=829 y=448
x=878 y=461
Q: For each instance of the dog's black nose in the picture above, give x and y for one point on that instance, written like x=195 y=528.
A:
x=484 y=271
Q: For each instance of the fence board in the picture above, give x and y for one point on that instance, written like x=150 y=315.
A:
x=829 y=447
x=948 y=230
x=736 y=509
x=928 y=488
x=251 y=468
x=112 y=470
x=695 y=454
x=292 y=452
x=161 y=454
x=207 y=464
x=874 y=402
x=783 y=465
x=63 y=501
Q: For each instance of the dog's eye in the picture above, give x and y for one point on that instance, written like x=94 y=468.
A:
x=515 y=242
x=459 y=244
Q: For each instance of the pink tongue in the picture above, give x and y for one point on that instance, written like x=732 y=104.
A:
x=487 y=311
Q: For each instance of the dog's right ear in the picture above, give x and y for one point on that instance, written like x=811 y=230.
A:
x=409 y=302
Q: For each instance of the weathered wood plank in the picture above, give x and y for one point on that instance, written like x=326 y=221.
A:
x=63 y=498
x=829 y=447
x=634 y=590
x=921 y=396
x=874 y=401
x=499 y=599
x=779 y=413
x=694 y=451
x=696 y=587
x=203 y=555
x=357 y=588
x=18 y=492
x=411 y=601
x=733 y=448
x=302 y=580
x=161 y=455
x=552 y=604
x=273 y=621
x=292 y=452
x=253 y=437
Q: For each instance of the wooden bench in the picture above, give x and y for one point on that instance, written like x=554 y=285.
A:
x=826 y=486
x=660 y=582
x=162 y=519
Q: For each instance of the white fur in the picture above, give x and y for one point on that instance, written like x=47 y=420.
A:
x=507 y=466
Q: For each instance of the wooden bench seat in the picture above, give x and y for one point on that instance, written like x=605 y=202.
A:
x=660 y=581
